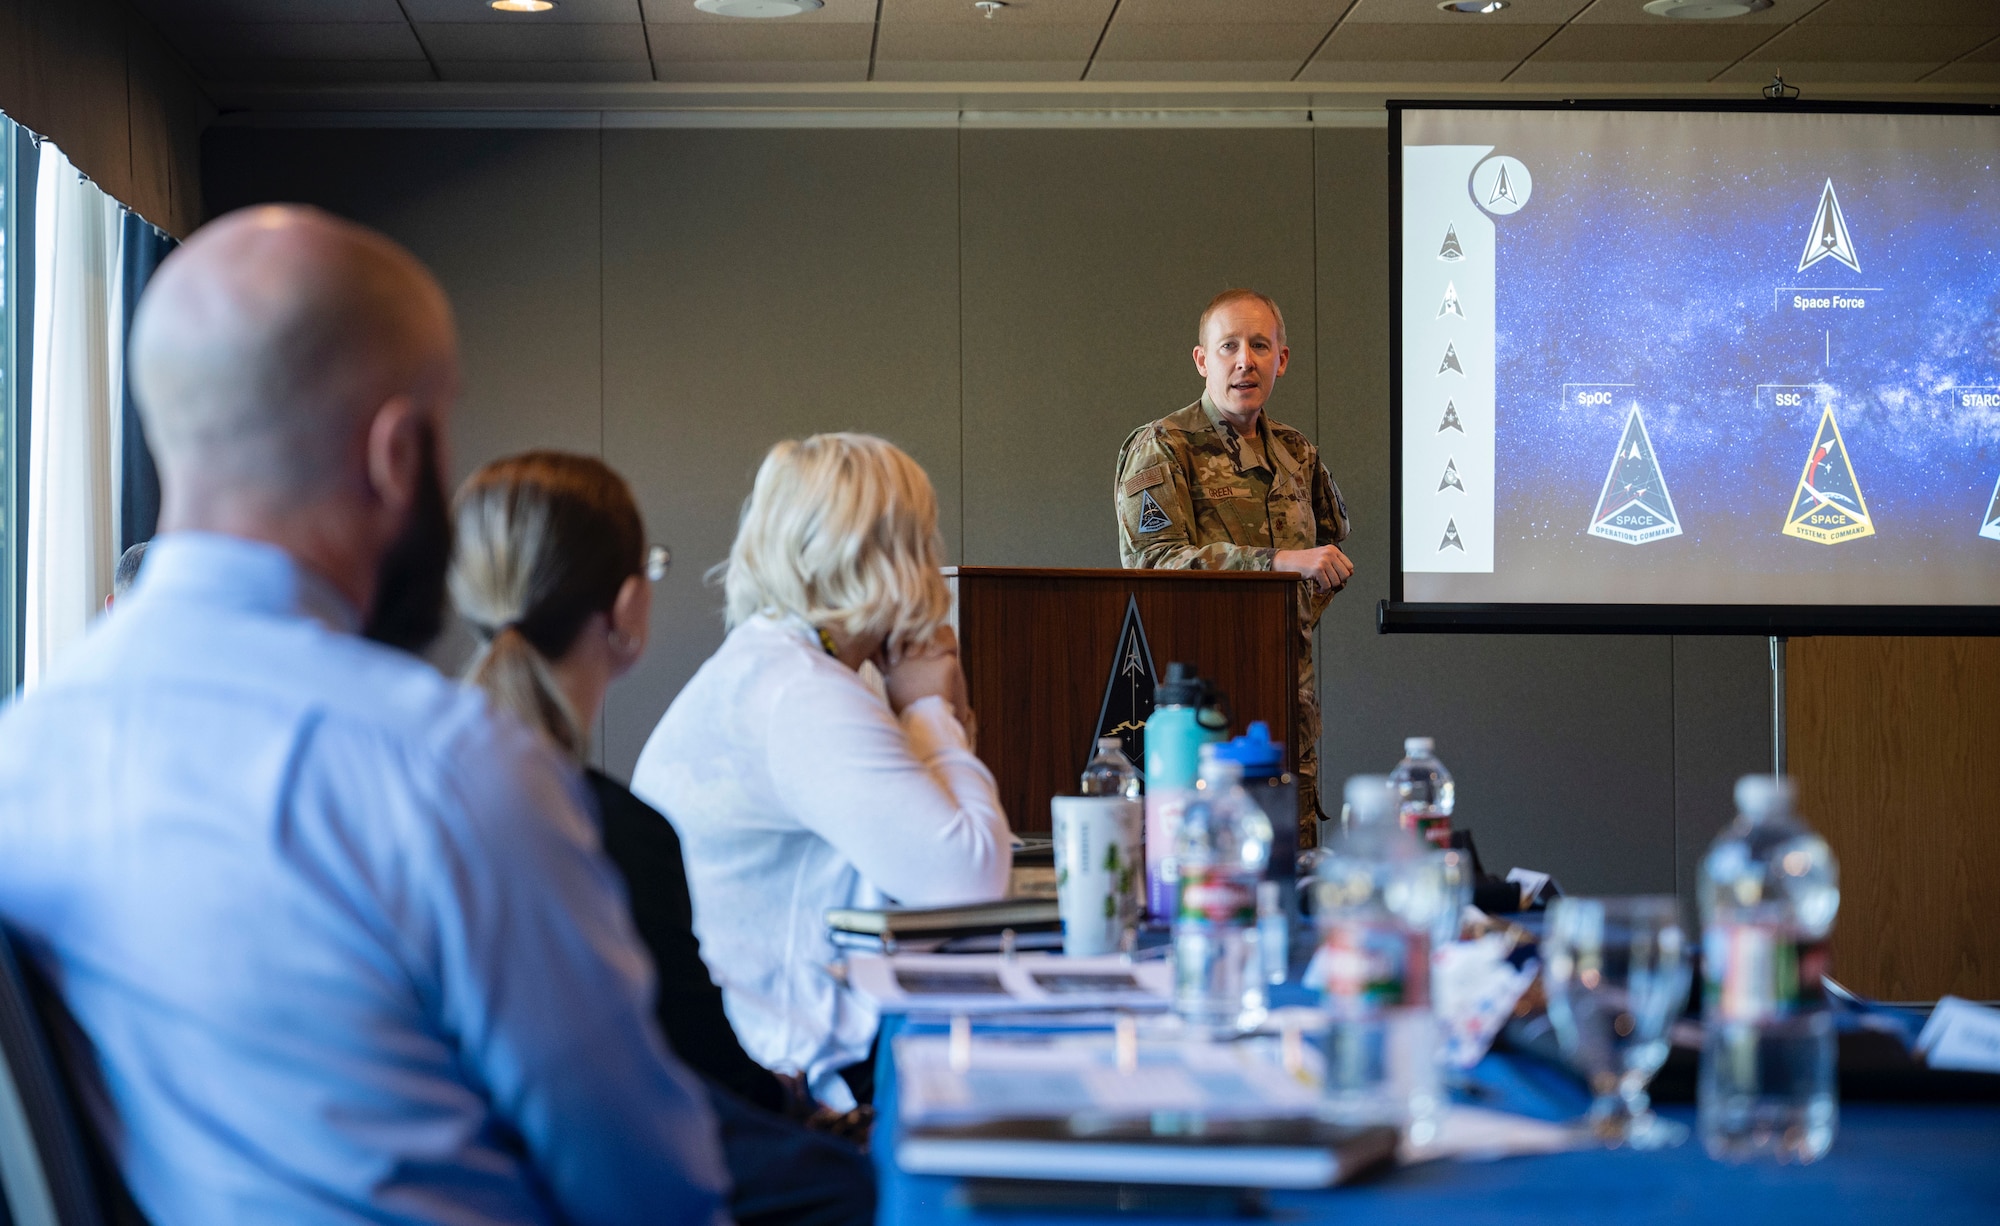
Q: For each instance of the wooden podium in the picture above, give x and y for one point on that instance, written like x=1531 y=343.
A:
x=1038 y=646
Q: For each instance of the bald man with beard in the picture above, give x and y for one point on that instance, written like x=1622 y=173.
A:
x=340 y=944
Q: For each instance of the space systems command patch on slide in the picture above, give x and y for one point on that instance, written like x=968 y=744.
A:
x=1699 y=357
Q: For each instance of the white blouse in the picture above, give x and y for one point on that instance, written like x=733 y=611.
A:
x=794 y=789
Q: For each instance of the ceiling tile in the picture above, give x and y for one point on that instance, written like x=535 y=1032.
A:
x=1191 y=70
x=763 y=41
x=565 y=12
x=1234 y=13
x=1415 y=43
x=1454 y=71
x=1017 y=13
x=1687 y=41
x=1663 y=72
x=1242 y=44
x=1854 y=44
x=501 y=71
x=1905 y=12
x=1811 y=77
x=1426 y=12
x=937 y=41
x=974 y=70
x=321 y=40
x=1975 y=72
x=762 y=71
x=683 y=12
x=1987 y=52
x=1633 y=12
x=170 y=14
x=478 y=40
x=318 y=72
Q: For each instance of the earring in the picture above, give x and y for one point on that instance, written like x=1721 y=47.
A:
x=621 y=642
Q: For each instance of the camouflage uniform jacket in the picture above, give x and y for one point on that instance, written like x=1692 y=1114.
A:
x=1190 y=497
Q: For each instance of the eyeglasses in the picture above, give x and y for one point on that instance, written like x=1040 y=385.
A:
x=659 y=560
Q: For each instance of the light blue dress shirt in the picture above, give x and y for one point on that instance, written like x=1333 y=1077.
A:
x=342 y=940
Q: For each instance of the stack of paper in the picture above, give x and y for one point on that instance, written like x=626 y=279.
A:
x=992 y=983
x=1096 y=1108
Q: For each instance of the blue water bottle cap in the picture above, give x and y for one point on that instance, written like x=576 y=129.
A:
x=1255 y=750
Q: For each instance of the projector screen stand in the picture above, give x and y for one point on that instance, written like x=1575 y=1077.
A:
x=1777 y=704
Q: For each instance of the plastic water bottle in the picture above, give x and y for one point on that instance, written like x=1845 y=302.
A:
x=1425 y=790
x=1175 y=734
x=1274 y=790
x=1376 y=893
x=1222 y=852
x=1769 y=891
x=1110 y=772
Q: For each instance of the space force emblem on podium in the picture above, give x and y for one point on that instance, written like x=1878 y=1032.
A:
x=1128 y=691
x=1635 y=506
x=1827 y=507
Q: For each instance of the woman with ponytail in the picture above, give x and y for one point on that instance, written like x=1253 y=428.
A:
x=553 y=573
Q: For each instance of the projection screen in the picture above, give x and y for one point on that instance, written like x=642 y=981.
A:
x=1687 y=370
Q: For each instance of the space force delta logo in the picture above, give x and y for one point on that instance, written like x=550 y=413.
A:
x=1829 y=239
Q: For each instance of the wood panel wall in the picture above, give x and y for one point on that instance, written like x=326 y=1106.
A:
x=98 y=79
x=1895 y=743
x=1039 y=647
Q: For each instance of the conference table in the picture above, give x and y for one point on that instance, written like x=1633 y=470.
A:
x=1925 y=1165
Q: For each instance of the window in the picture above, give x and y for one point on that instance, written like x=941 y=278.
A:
x=13 y=485
x=77 y=483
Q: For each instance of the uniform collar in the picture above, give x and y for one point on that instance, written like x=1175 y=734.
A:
x=1282 y=461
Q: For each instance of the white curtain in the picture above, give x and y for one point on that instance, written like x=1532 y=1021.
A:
x=75 y=382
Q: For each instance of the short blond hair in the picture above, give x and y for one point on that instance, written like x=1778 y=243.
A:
x=841 y=531
x=1228 y=296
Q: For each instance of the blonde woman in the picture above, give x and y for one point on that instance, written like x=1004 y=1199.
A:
x=795 y=785
x=553 y=572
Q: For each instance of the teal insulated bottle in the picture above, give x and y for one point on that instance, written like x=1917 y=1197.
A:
x=1174 y=736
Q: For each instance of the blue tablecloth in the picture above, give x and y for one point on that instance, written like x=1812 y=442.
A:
x=1917 y=1165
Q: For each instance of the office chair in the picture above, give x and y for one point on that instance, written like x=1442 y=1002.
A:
x=46 y=1173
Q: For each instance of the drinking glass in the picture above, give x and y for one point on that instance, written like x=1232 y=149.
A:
x=1617 y=972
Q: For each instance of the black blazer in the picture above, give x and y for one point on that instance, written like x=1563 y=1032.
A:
x=647 y=853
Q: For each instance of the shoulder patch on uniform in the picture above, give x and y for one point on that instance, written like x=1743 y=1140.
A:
x=1151 y=517
x=1145 y=479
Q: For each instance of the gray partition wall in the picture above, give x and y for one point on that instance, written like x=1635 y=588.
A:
x=1006 y=304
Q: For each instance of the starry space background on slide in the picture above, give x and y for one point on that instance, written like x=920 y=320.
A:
x=1653 y=253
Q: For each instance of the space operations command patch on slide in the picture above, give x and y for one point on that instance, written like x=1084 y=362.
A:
x=1714 y=357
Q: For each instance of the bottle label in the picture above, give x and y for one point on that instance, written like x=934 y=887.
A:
x=1212 y=897
x=1760 y=973
x=1164 y=807
x=1361 y=967
x=1426 y=823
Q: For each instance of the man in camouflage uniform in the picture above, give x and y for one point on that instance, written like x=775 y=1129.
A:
x=1220 y=486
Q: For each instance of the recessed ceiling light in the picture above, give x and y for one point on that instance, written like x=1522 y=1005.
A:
x=1704 y=10
x=521 y=6
x=758 y=8
x=1474 y=7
